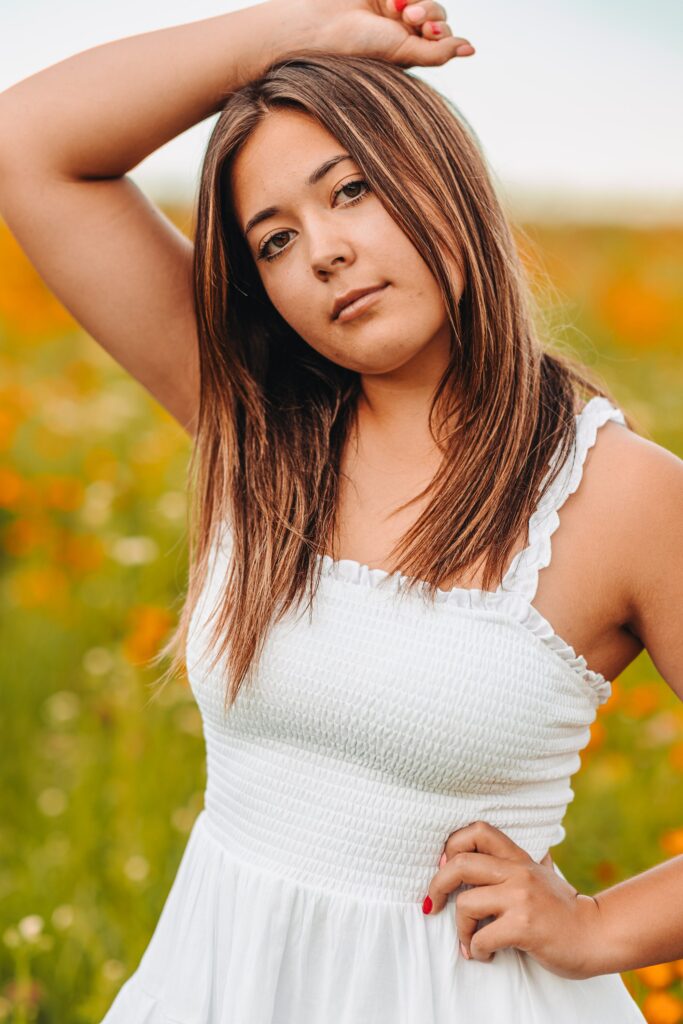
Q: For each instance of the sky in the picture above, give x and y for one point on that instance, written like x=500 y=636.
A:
x=577 y=105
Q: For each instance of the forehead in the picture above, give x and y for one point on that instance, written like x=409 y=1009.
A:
x=275 y=161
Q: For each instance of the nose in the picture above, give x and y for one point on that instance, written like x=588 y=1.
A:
x=328 y=247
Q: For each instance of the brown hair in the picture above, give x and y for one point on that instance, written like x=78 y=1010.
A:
x=274 y=413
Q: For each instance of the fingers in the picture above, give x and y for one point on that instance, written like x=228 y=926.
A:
x=465 y=869
x=472 y=908
x=499 y=934
x=429 y=53
x=430 y=18
x=484 y=838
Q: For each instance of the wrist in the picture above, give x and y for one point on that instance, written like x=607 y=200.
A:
x=272 y=30
x=601 y=955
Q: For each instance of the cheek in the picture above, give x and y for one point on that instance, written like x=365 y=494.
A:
x=293 y=303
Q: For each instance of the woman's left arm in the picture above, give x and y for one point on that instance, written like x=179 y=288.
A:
x=639 y=921
x=642 y=917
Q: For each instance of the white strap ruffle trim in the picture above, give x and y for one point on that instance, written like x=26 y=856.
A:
x=522 y=574
x=513 y=598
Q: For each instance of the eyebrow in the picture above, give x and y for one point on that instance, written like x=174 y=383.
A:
x=313 y=179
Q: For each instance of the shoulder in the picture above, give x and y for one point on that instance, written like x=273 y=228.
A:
x=640 y=486
x=645 y=474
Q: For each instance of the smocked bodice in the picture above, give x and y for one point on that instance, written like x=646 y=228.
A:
x=376 y=726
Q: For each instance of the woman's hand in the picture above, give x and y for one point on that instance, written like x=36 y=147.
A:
x=534 y=909
x=416 y=34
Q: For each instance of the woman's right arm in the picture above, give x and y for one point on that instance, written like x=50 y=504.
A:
x=69 y=134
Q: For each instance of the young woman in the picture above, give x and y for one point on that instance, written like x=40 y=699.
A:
x=377 y=426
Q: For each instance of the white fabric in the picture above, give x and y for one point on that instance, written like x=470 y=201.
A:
x=377 y=727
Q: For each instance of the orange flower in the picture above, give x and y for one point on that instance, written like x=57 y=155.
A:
x=8 y=425
x=637 y=311
x=605 y=872
x=30 y=500
x=62 y=492
x=615 y=699
x=641 y=700
x=84 y=553
x=662 y=1008
x=25 y=535
x=597 y=736
x=149 y=627
x=672 y=842
x=11 y=487
x=657 y=975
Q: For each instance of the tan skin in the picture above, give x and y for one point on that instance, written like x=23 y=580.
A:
x=125 y=273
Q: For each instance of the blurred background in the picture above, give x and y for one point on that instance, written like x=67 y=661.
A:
x=575 y=108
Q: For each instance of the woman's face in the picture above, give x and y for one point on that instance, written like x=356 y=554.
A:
x=329 y=238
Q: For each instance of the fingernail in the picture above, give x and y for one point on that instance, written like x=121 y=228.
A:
x=427 y=905
x=434 y=29
x=415 y=13
x=464 y=952
x=400 y=4
x=443 y=860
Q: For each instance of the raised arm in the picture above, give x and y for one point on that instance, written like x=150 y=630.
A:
x=69 y=134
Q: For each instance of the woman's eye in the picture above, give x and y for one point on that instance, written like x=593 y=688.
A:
x=352 y=184
x=262 y=254
x=262 y=250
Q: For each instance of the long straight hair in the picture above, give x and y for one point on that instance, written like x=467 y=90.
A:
x=274 y=414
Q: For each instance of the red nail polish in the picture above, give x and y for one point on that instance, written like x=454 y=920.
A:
x=427 y=905
x=400 y=4
x=434 y=29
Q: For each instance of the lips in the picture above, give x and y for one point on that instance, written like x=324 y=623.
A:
x=349 y=297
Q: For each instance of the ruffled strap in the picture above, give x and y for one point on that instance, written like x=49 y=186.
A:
x=522 y=575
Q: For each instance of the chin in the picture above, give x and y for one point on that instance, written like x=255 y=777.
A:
x=380 y=365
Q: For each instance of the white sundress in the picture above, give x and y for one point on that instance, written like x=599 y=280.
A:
x=375 y=729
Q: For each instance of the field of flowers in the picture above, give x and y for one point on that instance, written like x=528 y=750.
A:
x=101 y=783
